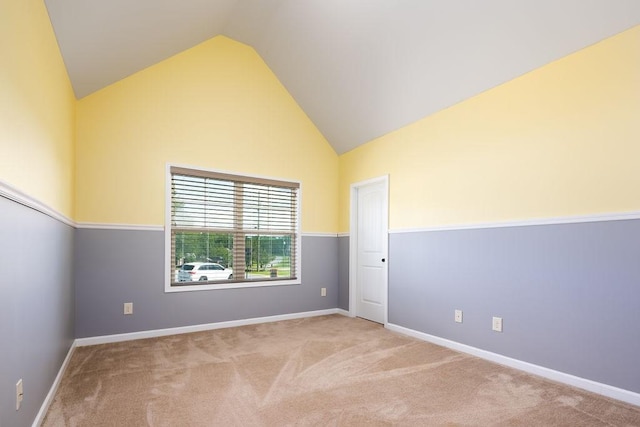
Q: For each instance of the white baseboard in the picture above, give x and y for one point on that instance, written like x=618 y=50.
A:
x=54 y=387
x=561 y=377
x=81 y=342
x=343 y=312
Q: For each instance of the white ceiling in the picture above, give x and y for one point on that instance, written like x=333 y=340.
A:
x=359 y=68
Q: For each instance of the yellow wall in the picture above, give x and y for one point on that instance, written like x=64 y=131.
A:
x=37 y=107
x=562 y=140
x=215 y=106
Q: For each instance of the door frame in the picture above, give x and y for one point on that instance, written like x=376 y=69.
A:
x=353 y=243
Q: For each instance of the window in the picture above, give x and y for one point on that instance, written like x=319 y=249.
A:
x=229 y=230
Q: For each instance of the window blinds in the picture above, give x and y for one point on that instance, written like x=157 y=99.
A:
x=203 y=201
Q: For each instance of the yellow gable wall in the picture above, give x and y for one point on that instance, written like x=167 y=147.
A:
x=37 y=107
x=562 y=140
x=215 y=106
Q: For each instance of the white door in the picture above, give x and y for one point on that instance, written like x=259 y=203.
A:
x=370 y=250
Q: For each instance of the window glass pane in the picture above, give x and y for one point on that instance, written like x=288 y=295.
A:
x=202 y=247
x=267 y=257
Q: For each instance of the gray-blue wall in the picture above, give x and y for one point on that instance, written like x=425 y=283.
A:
x=343 y=273
x=36 y=314
x=118 y=266
x=569 y=294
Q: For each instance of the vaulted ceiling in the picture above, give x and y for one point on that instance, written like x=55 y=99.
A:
x=359 y=68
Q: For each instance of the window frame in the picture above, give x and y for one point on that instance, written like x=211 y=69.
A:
x=169 y=273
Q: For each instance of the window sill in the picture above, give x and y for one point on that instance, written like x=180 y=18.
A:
x=235 y=285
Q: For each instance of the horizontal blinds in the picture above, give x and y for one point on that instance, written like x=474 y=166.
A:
x=217 y=203
x=256 y=214
x=230 y=177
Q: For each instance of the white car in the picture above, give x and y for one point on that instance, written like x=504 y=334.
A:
x=203 y=271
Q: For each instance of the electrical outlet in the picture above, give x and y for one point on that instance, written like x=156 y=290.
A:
x=497 y=324
x=323 y=292
x=19 y=394
x=458 y=316
x=128 y=308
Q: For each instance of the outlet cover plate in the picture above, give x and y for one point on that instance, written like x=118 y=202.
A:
x=497 y=324
x=128 y=308
x=458 y=316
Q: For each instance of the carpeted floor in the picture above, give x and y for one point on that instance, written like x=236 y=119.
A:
x=321 y=371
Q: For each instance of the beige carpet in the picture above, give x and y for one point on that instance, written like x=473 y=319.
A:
x=322 y=371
